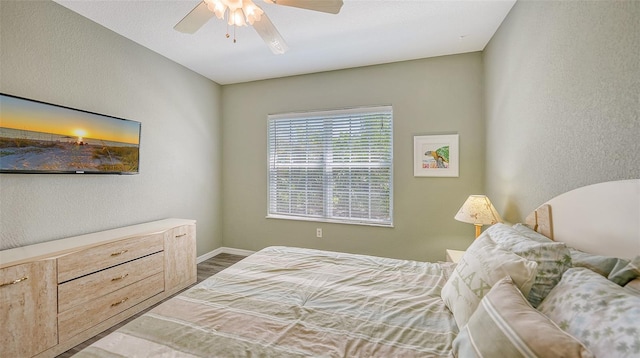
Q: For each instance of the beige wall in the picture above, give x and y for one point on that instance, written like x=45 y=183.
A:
x=49 y=53
x=562 y=100
x=431 y=96
x=558 y=85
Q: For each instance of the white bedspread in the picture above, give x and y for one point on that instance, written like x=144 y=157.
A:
x=291 y=302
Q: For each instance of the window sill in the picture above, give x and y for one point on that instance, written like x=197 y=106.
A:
x=324 y=220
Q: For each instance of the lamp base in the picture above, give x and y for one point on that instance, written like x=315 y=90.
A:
x=478 y=229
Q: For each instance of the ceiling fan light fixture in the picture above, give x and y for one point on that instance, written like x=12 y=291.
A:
x=238 y=12
x=216 y=7
x=251 y=11
x=236 y=18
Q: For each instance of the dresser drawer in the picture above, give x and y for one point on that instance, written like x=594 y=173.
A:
x=90 y=287
x=94 y=259
x=80 y=318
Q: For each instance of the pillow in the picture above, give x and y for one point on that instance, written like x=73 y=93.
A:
x=530 y=233
x=625 y=271
x=600 y=264
x=553 y=258
x=483 y=264
x=601 y=314
x=596 y=263
x=505 y=325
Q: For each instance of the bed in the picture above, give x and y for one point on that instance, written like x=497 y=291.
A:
x=295 y=302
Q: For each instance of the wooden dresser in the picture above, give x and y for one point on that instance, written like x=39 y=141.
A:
x=57 y=294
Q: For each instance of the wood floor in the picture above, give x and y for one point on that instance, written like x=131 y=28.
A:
x=205 y=269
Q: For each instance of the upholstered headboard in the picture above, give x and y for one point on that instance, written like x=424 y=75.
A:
x=601 y=218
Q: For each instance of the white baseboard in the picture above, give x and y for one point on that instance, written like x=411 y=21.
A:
x=223 y=250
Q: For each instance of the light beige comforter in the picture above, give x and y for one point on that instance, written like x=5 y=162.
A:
x=291 y=302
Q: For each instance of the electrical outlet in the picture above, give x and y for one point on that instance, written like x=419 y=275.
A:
x=319 y=232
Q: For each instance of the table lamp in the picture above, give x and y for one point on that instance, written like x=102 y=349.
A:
x=478 y=210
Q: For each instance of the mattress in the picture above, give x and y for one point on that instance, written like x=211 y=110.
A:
x=293 y=302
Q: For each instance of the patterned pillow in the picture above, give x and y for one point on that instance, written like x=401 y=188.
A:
x=596 y=263
x=601 y=314
x=502 y=326
x=625 y=271
x=530 y=233
x=483 y=264
x=553 y=258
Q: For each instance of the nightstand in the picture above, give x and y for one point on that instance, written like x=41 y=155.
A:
x=454 y=255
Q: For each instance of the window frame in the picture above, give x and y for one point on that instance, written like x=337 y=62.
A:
x=327 y=188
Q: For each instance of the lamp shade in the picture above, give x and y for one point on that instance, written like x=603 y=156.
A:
x=478 y=210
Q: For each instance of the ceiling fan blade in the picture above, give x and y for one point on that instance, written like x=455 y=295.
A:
x=329 y=6
x=270 y=35
x=194 y=19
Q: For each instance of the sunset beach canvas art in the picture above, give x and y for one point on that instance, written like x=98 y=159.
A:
x=38 y=137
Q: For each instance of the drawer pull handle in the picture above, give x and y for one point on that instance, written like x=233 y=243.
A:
x=14 y=281
x=181 y=235
x=119 y=253
x=120 y=302
x=119 y=278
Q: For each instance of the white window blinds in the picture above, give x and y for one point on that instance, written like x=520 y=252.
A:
x=332 y=166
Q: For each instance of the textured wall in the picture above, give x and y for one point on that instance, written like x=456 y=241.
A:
x=562 y=100
x=50 y=53
x=431 y=96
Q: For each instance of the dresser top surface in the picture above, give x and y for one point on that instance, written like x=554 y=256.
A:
x=54 y=248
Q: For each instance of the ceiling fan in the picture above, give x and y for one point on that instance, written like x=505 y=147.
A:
x=241 y=12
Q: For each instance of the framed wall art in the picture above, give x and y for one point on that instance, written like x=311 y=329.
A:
x=435 y=156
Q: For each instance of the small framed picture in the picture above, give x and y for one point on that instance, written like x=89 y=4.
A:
x=435 y=155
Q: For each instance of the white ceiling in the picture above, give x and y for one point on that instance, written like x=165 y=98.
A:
x=365 y=32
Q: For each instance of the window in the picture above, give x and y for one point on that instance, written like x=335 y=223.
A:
x=333 y=166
